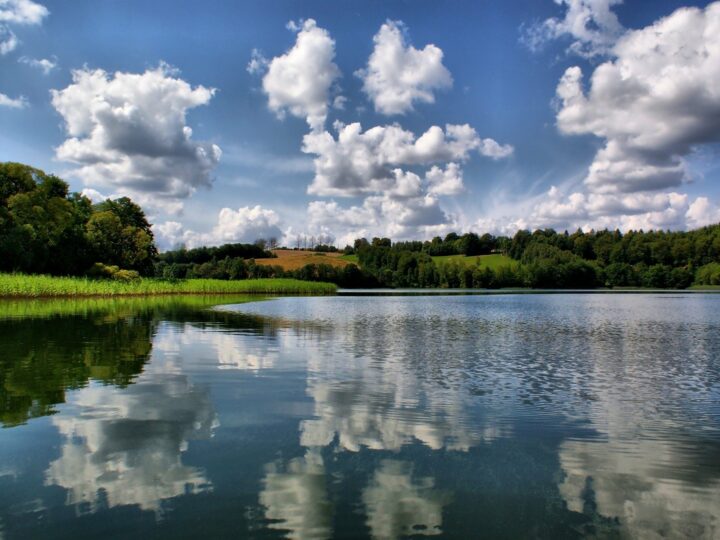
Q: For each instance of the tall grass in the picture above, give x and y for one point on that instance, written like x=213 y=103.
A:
x=41 y=286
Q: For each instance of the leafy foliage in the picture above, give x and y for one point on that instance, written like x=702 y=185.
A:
x=46 y=229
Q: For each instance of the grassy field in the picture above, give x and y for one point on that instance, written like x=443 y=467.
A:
x=492 y=261
x=350 y=258
x=38 y=286
x=291 y=259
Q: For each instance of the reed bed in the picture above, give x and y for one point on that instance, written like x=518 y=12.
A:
x=42 y=286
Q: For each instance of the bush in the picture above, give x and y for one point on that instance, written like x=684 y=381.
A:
x=106 y=271
x=708 y=274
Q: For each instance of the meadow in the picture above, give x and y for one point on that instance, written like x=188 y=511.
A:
x=44 y=286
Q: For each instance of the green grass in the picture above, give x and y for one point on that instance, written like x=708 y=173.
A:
x=40 y=286
x=350 y=258
x=493 y=261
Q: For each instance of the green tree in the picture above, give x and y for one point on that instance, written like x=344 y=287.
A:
x=119 y=234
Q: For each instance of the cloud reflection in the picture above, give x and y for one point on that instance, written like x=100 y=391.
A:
x=624 y=480
x=295 y=497
x=124 y=446
x=398 y=505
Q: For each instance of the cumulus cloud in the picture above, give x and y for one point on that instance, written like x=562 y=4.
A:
x=17 y=12
x=299 y=81
x=590 y=24
x=599 y=210
x=382 y=215
x=128 y=132
x=398 y=75
x=652 y=104
x=448 y=181
x=703 y=212
x=13 y=103
x=245 y=225
x=359 y=162
x=43 y=64
x=375 y=164
x=624 y=211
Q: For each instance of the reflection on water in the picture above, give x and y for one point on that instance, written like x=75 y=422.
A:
x=124 y=447
x=398 y=506
x=559 y=416
x=295 y=498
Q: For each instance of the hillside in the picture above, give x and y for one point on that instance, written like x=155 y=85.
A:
x=290 y=259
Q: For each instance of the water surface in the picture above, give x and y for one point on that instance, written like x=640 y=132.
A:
x=504 y=416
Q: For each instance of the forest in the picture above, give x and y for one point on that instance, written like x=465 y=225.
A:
x=45 y=229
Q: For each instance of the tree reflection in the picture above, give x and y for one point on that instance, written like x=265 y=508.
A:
x=44 y=358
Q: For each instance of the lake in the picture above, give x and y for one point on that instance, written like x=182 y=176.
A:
x=500 y=416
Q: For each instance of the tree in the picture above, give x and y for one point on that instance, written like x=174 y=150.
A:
x=40 y=223
x=119 y=234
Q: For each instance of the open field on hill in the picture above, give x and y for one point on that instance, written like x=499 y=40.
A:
x=290 y=259
x=351 y=259
x=42 y=286
x=492 y=261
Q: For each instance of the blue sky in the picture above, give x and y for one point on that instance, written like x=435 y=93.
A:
x=495 y=67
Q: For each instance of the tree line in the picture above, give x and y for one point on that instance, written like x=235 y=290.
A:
x=548 y=259
x=46 y=229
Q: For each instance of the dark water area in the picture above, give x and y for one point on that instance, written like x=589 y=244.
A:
x=496 y=416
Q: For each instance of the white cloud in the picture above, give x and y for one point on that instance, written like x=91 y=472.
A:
x=299 y=81
x=258 y=63
x=244 y=225
x=128 y=133
x=374 y=164
x=13 y=103
x=8 y=40
x=43 y=64
x=382 y=215
x=94 y=195
x=17 y=12
x=703 y=212
x=445 y=182
x=652 y=104
x=364 y=162
x=591 y=25
x=624 y=211
x=22 y=12
x=398 y=75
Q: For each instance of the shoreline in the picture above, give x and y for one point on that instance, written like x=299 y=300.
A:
x=22 y=286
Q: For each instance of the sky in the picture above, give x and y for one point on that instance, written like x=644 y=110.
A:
x=232 y=121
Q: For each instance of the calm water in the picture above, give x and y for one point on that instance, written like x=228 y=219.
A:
x=511 y=416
